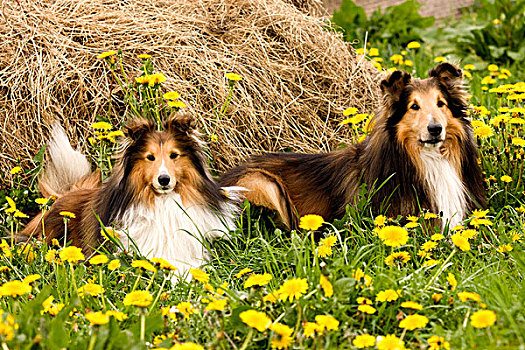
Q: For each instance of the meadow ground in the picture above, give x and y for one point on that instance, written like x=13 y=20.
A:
x=367 y=283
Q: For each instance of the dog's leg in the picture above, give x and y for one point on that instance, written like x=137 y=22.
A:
x=266 y=190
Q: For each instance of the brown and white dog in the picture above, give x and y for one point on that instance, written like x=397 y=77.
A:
x=422 y=143
x=160 y=192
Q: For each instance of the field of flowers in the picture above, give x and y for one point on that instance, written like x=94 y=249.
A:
x=368 y=282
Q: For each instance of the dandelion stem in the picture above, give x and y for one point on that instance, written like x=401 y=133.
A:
x=142 y=326
x=65 y=232
x=158 y=294
x=93 y=340
x=247 y=340
x=440 y=270
x=299 y=316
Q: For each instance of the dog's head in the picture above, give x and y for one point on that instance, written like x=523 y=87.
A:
x=163 y=161
x=429 y=113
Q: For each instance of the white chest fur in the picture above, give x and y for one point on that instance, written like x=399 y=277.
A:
x=445 y=186
x=168 y=230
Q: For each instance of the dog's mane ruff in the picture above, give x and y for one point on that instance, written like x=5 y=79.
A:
x=383 y=158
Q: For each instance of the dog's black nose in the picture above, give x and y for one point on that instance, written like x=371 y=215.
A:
x=434 y=129
x=164 y=180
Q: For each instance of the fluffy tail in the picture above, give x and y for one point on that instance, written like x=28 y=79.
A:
x=65 y=166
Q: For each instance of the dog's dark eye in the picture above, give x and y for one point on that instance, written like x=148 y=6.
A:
x=415 y=107
x=150 y=157
x=441 y=103
x=174 y=155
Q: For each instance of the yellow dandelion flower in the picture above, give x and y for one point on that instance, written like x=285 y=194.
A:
x=311 y=222
x=393 y=236
x=483 y=318
x=380 y=220
x=390 y=342
x=114 y=264
x=107 y=54
x=97 y=318
x=68 y=214
x=358 y=274
x=176 y=104
x=363 y=300
x=143 y=264
x=367 y=309
x=217 y=305
x=504 y=248
x=31 y=278
x=470 y=233
x=257 y=280
x=493 y=68
x=51 y=256
x=373 y=52
x=200 y=275
x=50 y=307
x=14 y=289
x=451 y=279
x=242 y=272
x=387 y=295
x=233 y=76
x=102 y=126
x=412 y=322
x=327 y=322
x=255 y=319
x=156 y=78
x=271 y=297
x=413 y=45
x=410 y=225
x=430 y=263
x=98 y=259
x=483 y=131
x=293 y=289
x=140 y=298
x=398 y=257
x=172 y=95
x=163 y=264
x=440 y=59
x=437 y=297
x=364 y=341
x=310 y=328
x=16 y=170
x=350 y=111
x=460 y=242
x=71 y=254
x=429 y=245
x=284 y=338
x=327 y=287
x=464 y=296
x=438 y=343
x=144 y=56
x=118 y=315
x=506 y=178
x=185 y=308
x=469 y=67
x=412 y=305
x=92 y=289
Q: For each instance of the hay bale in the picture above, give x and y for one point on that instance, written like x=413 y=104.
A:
x=298 y=74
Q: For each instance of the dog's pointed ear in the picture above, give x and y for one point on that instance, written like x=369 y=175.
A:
x=394 y=84
x=181 y=122
x=137 y=128
x=447 y=74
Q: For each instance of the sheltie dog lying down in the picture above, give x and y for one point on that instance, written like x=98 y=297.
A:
x=160 y=192
x=421 y=147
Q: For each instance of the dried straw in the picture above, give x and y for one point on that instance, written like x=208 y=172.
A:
x=298 y=74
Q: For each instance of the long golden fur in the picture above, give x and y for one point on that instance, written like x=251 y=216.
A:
x=420 y=130
x=160 y=190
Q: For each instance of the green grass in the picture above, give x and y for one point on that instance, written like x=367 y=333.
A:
x=259 y=245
